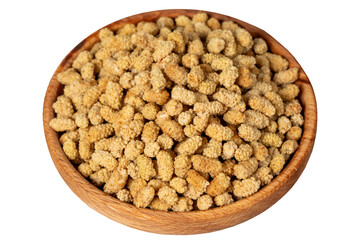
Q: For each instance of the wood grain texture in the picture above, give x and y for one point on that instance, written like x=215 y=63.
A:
x=196 y=221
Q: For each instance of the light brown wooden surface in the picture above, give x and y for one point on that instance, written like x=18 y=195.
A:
x=195 y=221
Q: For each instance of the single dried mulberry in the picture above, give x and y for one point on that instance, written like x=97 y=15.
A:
x=249 y=133
x=264 y=175
x=71 y=150
x=168 y=195
x=179 y=184
x=256 y=119
x=223 y=199
x=144 y=197
x=198 y=182
x=262 y=105
x=184 y=204
x=212 y=149
x=277 y=163
x=176 y=74
x=289 y=92
x=206 y=165
x=146 y=167
x=182 y=165
x=62 y=124
x=63 y=107
x=105 y=159
x=189 y=145
x=204 y=202
x=246 y=187
x=245 y=169
x=271 y=139
x=219 y=132
x=183 y=95
x=289 y=147
x=165 y=165
x=116 y=182
x=286 y=76
x=218 y=185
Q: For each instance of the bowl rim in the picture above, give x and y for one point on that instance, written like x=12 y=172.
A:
x=291 y=172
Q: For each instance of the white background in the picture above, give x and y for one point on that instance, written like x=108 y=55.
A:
x=35 y=203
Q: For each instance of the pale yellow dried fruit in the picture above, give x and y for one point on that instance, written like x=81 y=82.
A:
x=165 y=114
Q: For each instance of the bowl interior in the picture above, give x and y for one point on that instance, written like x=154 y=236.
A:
x=194 y=221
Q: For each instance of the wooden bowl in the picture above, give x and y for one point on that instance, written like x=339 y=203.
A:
x=183 y=222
